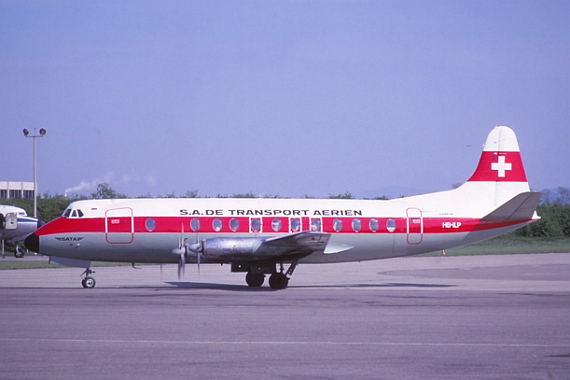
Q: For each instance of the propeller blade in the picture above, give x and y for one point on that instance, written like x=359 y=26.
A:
x=198 y=261
x=181 y=265
x=197 y=248
x=182 y=250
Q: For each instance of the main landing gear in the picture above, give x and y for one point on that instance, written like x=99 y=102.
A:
x=278 y=280
x=88 y=282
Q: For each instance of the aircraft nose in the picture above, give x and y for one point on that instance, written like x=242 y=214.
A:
x=32 y=243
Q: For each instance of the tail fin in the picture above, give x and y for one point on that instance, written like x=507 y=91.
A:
x=501 y=159
x=500 y=174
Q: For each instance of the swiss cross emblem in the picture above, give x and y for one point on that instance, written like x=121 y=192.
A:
x=501 y=167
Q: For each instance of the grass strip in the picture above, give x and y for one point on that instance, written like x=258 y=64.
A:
x=509 y=246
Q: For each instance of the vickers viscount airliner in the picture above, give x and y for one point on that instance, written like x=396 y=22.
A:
x=263 y=236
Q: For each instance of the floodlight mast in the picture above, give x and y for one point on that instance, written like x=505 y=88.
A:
x=42 y=133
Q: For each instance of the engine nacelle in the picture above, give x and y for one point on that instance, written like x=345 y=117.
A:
x=232 y=247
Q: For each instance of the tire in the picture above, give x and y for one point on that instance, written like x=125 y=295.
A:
x=254 y=280
x=88 y=282
x=278 y=281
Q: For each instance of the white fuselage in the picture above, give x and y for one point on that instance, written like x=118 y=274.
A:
x=147 y=230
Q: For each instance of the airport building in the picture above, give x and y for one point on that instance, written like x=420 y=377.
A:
x=16 y=189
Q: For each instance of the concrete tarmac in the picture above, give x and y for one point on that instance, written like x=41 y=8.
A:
x=477 y=317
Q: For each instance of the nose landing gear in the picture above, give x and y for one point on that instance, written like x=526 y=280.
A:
x=88 y=282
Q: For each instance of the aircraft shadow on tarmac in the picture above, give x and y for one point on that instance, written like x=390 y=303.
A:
x=205 y=285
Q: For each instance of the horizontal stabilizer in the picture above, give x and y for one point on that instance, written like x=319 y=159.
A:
x=307 y=242
x=521 y=207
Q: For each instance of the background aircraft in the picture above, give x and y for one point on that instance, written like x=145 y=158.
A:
x=15 y=226
x=259 y=236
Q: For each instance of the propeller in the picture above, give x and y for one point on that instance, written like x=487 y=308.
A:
x=181 y=251
x=184 y=248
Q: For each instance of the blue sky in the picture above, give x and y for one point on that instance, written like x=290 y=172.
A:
x=280 y=97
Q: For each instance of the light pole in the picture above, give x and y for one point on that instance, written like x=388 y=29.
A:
x=41 y=134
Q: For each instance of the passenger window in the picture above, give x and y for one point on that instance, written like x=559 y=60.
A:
x=391 y=225
x=295 y=224
x=150 y=224
x=373 y=225
x=255 y=225
x=356 y=225
x=315 y=224
x=234 y=224
x=195 y=224
x=337 y=225
x=276 y=225
x=217 y=224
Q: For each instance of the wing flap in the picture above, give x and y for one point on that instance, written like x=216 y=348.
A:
x=334 y=248
x=521 y=207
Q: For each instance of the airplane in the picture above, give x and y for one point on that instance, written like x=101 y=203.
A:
x=259 y=236
x=15 y=226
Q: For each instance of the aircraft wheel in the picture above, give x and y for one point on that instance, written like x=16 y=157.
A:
x=278 y=281
x=254 y=280
x=18 y=254
x=88 y=282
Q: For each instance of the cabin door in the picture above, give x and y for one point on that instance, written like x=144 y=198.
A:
x=119 y=225
x=414 y=225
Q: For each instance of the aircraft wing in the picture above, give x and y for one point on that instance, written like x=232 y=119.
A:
x=521 y=207
x=304 y=243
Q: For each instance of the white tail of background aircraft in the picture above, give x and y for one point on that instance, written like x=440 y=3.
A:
x=259 y=236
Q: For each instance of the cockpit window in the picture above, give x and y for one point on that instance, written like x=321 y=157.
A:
x=70 y=213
